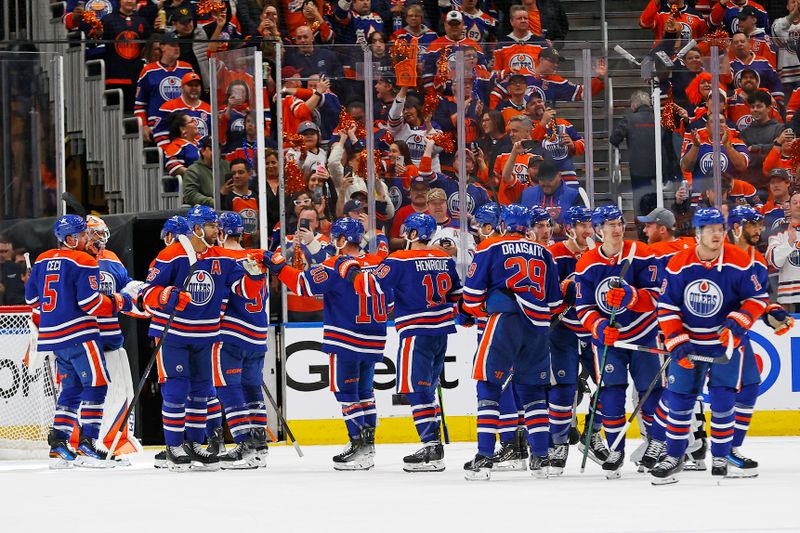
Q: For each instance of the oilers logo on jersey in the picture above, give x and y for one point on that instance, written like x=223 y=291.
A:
x=520 y=172
x=453 y=205
x=703 y=298
x=202 y=130
x=108 y=285
x=416 y=145
x=744 y=121
x=794 y=258
x=237 y=126
x=396 y=196
x=100 y=7
x=170 y=88
x=686 y=32
x=707 y=162
x=521 y=61
x=201 y=287
x=250 y=219
x=600 y=296
x=556 y=150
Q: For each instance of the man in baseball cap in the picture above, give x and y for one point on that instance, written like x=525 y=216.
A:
x=659 y=225
x=307 y=126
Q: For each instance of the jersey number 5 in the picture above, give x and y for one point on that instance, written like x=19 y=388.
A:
x=526 y=276
x=50 y=296
x=437 y=295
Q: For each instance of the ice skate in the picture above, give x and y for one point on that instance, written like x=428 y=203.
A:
x=508 y=458
x=201 y=460
x=598 y=452
x=479 y=469
x=216 y=442
x=638 y=453
x=61 y=456
x=242 y=457
x=258 y=441
x=741 y=466
x=613 y=465
x=368 y=435
x=429 y=458
x=557 y=459
x=160 y=460
x=177 y=459
x=665 y=472
x=89 y=456
x=719 y=467
x=539 y=466
x=653 y=454
x=695 y=458
x=355 y=456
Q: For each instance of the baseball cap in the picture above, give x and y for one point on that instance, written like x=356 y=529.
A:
x=517 y=77
x=437 y=195
x=354 y=205
x=190 y=77
x=661 y=216
x=551 y=54
x=182 y=15
x=168 y=37
x=548 y=170
x=416 y=180
x=307 y=126
x=205 y=142
x=747 y=11
x=454 y=17
x=289 y=72
x=781 y=173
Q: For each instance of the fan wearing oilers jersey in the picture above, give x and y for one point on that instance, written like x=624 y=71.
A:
x=184 y=361
x=711 y=296
x=64 y=292
x=514 y=282
x=354 y=332
x=513 y=451
x=238 y=360
x=424 y=318
x=114 y=278
x=600 y=293
x=569 y=344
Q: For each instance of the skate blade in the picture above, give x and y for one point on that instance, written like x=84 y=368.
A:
x=695 y=466
x=431 y=466
x=516 y=465
x=539 y=474
x=354 y=465
x=555 y=471
x=160 y=465
x=201 y=467
x=91 y=462
x=591 y=455
x=57 y=463
x=483 y=474
x=246 y=464
x=669 y=480
x=739 y=473
x=178 y=468
x=613 y=474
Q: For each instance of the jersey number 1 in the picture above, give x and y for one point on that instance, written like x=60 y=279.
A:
x=437 y=295
x=378 y=308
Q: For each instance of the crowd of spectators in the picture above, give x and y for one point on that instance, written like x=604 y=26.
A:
x=518 y=147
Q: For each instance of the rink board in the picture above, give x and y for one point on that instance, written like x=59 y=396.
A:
x=315 y=415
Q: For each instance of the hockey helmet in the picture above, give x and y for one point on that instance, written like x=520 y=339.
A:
x=423 y=223
x=539 y=214
x=231 y=223
x=577 y=213
x=743 y=213
x=707 y=215
x=516 y=218
x=488 y=214
x=605 y=213
x=67 y=225
x=350 y=228
x=200 y=215
x=176 y=225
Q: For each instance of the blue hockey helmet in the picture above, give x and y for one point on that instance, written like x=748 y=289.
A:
x=707 y=215
x=539 y=214
x=516 y=218
x=604 y=213
x=743 y=213
x=200 y=215
x=231 y=223
x=350 y=228
x=423 y=223
x=488 y=214
x=577 y=213
x=68 y=225
x=176 y=225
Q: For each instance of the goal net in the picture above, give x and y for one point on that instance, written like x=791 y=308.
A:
x=27 y=395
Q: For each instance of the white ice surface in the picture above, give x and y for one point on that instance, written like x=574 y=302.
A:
x=305 y=494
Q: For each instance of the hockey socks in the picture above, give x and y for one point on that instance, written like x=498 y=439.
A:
x=91 y=416
x=613 y=398
x=658 y=428
x=64 y=421
x=743 y=412
x=560 y=399
x=534 y=397
x=426 y=415
x=236 y=412
x=679 y=422
x=488 y=416
x=649 y=408
x=511 y=414
x=722 y=420
x=213 y=416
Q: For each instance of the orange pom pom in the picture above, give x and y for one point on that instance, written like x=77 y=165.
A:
x=346 y=121
x=446 y=140
x=668 y=115
x=718 y=38
x=794 y=153
x=361 y=170
x=293 y=177
x=210 y=7
x=430 y=104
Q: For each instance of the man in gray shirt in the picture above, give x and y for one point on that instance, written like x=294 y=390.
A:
x=760 y=137
x=198 y=180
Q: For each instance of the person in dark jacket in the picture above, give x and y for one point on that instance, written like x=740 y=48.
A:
x=637 y=129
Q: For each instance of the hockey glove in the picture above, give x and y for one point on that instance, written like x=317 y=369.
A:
x=569 y=292
x=603 y=333
x=253 y=268
x=462 y=317
x=623 y=296
x=778 y=319
x=122 y=302
x=169 y=299
x=735 y=326
x=680 y=349
x=347 y=267
x=274 y=262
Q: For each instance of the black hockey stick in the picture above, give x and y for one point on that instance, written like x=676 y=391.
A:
x=589 y=426
x=73 y=202
x=720 y=359
x=282 y=420
x=441 y=409
x=192 y=256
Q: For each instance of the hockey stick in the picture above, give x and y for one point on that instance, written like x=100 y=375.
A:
x=721 y=359
x=192 y=257
x=639 y=405
x=590 y=425
x=282 y=420
x=441 y=409
x=73 y=202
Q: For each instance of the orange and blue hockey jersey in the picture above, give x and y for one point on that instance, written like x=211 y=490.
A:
x=428 y=308
x=594 y=275
x=245 y=321
x=510 y=274
x=767 y=76
x=354 y=324
x=64 y=290
x=200 y=113
x=664 y=250
x=216 y=275
x=566 y=261
x=698 y=296
x=113 y=278
x=157 y=85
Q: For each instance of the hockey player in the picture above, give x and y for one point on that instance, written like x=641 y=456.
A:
x=600 y=293
x=541 y=230
x=238 y=360
x=711 y=296
x=184 y=362
x=114 y=278
x=174 y=226
x=64 y=291
x=569 y=345
x=515 y=283
x=423 y=318
x=354 y=333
